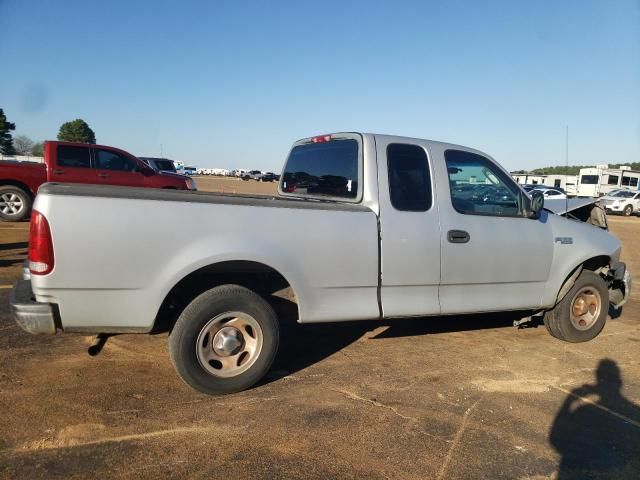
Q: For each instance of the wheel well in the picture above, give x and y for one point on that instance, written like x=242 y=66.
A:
x=20 y=185
x=262 y=279
x=593 y=264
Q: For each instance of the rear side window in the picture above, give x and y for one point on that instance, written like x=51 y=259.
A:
x=409 y=179
x=326 y=169
x=73 y=157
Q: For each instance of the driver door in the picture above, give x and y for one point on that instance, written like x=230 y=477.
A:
x=115 y=168
x=493 y=257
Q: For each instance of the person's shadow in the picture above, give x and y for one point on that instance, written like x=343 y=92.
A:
x=597 y=430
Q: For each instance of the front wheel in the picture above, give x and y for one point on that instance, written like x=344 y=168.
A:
x=225 y=340
x=580 y=316
x=628 y=210
x=15 y=204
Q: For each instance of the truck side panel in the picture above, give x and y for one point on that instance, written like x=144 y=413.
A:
x=124 y=255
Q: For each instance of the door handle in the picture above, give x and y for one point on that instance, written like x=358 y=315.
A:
x=458 y=236
x=58 y=172
x=103 y=175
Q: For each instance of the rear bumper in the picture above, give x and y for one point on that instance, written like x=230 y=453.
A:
x=33 y=317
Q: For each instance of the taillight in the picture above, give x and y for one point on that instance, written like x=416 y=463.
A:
x=40 y=245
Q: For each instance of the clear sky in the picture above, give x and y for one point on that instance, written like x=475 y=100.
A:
x=233 y=84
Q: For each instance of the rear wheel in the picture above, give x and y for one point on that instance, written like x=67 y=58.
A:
x=225 y=340
x=628 y=210
x=15 y=203
x=580 y=316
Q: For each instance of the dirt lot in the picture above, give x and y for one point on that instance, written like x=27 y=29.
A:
x=445 y=398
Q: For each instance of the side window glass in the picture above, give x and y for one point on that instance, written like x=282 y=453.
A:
x=73 y=157
x=478 y=187
x=409 y=179
x=108 y=160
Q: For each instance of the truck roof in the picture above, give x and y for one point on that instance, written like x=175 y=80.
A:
x=401 y=139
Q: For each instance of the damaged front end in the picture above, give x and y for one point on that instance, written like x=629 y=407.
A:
x=586 y=210
x=618 y=279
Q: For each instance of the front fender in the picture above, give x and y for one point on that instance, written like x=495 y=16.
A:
x=575 y=243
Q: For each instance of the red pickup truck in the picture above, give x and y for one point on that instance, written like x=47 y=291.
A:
x=66 y=162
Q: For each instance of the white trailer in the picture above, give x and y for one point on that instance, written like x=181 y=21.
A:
x=600 y=180
x=568 y=183
x=619 y=178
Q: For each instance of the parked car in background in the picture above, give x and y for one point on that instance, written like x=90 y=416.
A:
x=363 y=227
x=268 y=177
x=625 y=202
x=547 y=192
x=252 y=175
x=160 y=164
x=66 y=162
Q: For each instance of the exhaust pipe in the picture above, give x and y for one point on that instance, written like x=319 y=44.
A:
x=98 y=342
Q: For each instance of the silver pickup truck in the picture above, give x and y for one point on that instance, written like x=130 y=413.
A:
x=364 y=226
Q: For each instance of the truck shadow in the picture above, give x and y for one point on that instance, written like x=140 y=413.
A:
x=304 y=345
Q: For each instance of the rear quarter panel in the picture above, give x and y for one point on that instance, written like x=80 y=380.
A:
x=31 y=175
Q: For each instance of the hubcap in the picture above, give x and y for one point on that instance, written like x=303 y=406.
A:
x=227 y=341
x=10 y=204
x=585 y=308
x=229 y=344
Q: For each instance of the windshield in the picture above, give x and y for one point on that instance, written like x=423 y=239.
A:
x=622 y=194
x=166 y=165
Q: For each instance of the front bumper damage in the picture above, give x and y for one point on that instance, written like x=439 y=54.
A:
x=619 y=286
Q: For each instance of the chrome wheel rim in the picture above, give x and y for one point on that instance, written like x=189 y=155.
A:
x=229 y=344
x=585 y=308
x=11 y=204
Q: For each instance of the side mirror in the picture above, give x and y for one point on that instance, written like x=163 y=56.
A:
x=537 y=202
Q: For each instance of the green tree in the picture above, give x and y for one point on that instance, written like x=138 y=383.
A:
x=38 y=149
x=6 y=140
x=76 y=131
x=23 y=145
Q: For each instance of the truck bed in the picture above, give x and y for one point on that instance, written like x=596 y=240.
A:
x=131 y=246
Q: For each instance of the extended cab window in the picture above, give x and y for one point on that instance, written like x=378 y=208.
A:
x=409 y=179
x=108 y=160
x=73 y=157
x=325 y=169
x=478 y=187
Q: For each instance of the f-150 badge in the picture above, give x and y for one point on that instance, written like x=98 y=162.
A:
x=564 y=240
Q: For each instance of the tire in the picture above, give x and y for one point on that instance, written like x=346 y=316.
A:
x=628 y=210
x=224 y=316
x=15 y=204
x=562 y=322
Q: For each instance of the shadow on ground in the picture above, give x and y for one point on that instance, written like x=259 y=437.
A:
x=597 y=430
x=304 y=345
